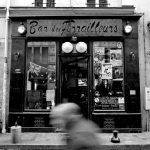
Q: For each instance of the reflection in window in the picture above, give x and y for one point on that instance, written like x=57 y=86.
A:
x=108 y=76
x=40 y=71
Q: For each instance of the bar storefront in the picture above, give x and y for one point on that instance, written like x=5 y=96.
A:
x=91 y=60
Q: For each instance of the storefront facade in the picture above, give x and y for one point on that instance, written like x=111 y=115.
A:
x=84 y=56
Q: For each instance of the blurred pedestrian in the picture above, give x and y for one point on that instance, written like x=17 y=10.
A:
x=82 y=133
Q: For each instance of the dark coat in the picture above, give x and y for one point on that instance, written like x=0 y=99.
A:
x=82 y=135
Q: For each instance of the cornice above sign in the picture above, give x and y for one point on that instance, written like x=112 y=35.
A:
x=78 y=27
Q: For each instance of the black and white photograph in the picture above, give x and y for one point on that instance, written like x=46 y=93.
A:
x=74 y=75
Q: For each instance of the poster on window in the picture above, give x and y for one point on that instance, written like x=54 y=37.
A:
x=106 y=71
x=50 y=96
x=116 y=57
x=99 y=55
x=110 y=103
x=117 y=72
x=34 y=99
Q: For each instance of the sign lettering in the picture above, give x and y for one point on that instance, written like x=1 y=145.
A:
x=110 y=103
x=84 y=27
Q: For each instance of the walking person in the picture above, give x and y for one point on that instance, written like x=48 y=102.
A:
x=82 y=133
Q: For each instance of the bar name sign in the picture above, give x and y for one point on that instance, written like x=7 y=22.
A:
x=78 y=27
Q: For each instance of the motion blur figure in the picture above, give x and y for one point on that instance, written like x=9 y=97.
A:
x=82 y=133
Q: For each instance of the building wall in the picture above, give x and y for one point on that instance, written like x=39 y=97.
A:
x=144 y=52
x=144 y=38
x=2 y=3
x=2 y=43
x=64 y=3
x=2 y=58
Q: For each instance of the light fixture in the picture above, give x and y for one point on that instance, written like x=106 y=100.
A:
x=67 y=47
x=21 y=29
x=81 y=47
x=74 y=38
x=132 y=56
x=128 y=28
x=16 y=56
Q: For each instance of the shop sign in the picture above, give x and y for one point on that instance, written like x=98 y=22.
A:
x=78 y=27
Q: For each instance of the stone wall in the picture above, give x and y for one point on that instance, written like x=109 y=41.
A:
x=2 y=46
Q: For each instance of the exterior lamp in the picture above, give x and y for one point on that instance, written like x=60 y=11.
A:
x=128 y=28
x=21 y=29
x=132 y=56
x=67 y=47
x=81 y=47
x=16 y=56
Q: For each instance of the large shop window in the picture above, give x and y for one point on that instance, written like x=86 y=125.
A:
x=40 y=71
x=108 y=76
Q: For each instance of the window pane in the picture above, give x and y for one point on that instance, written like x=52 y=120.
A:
x=36 y=54
x=108 y=76
x=103 y=3
x=29 y=54
x=90 y=3
x=38 y=3
x=41 y=70
x=50 y=3
x=45 y=55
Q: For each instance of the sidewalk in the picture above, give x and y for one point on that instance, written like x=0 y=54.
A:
x=44 y=141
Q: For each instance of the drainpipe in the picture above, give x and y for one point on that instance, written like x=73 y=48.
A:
x=5 y=70
x=70 y=3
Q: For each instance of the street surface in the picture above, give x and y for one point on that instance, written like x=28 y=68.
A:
x=53 y=141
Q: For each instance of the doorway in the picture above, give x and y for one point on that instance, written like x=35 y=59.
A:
x=74 y=80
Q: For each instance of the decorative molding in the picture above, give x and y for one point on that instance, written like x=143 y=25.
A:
x=72 y=12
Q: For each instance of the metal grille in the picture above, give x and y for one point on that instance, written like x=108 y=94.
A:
x=39 y=122
x=109 y=123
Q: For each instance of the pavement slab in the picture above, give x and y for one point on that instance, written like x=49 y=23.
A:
x=52 y=141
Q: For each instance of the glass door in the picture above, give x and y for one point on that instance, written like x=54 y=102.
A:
x=74 y=80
